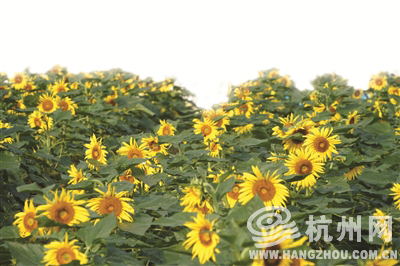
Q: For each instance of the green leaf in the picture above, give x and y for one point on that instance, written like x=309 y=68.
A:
x=154 y=202
x=392 y=159
x=371 y=177
x=26 y=254
x=101 y=230
x=378 y=128
x=59 y=115
x=9 y=232
x=34 y=188
x=139 y=226
x=178 y=219
x=8 y=162
x=224 y=187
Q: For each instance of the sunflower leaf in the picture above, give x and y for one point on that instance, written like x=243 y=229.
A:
x=101 y=230
x=26 y=254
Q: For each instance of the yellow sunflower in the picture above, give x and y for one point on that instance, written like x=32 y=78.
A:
x=59 y=86
x=35 y=119
x=19 y=81
x=112 y=202
x=76 y=177
x=380 y=259
x=383 y=226
x=320 y=142
x=60 y=253
x=29 y=86
x=396 y=194
x=285 y=80
x=64 y=209
x=394 y=90
x=166 y=129
x=354 y=172
x=293 y=144
x=47 y=124
x=378 y=82
x=243 y=129
x=3 y=88
x=133 y=150
x=204 y=208
x=268 y=188
x=213 y=114
x=128 y=177
x=152 y=144
x=307 y=164
x=47 y=104
x=110 y=99
x=202 y=239
x=26 y=220
x=243 y=93
x=192 y=196
x=352 y=119
x=95 y=151
x=274 y=235
x=273 y=73
x=214 y=148
x=245 y=109
x=357 y=94
x=207 y=128
x=233 y=196
x=66 y=104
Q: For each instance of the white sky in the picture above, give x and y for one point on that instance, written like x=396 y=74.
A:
x=205 y=44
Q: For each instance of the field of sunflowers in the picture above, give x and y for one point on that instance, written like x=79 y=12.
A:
x=106 y=168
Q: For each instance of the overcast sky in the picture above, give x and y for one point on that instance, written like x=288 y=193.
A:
x=205 y=44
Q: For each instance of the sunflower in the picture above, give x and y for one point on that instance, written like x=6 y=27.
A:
x=204 y=208
x=207 y=128
x=95 y=151
x=223 y=117
x=378 y=82
x=214 y=148
x=233 y=196
x=110 y=99
x=352 y=119
x=380 y=259
x=357 y=94
x=383 y=226
x=152 y=144
x=66 y=104
x=60 y=253
x=243 y=93
x=192 y=196
x=245 y=109
x=26 y=221
x=112 y=202
x=133 y=150
x=56 y=69
x=293 y=144
x=354 y=172
x=285 y=80
x=243 y=129
x=277 y=157
x=396 y=194
x=3 y=88
x=268 y=188
x=288 y=121
x=275 y=235
x=35 y=119
x=320 y=142
x=47 y=104
x=47 y=124
x=304 y=163
x=394 y=90
x=166 y=129
x=273 y=73
x=76 y=176
x=64 y=209
x=19 y=81
x=29 y=86
x=202 y=239
x=59 y=86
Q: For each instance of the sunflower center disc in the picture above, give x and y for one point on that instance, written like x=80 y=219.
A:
x=31 y=221
x=63 y=213
x=37 y=122
x=235 y=189
x=206 y=130
x=66 y=257
x=47 y=105
x=166 y=131
x=110 y=208
x=379 y=82
x=18 y=79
